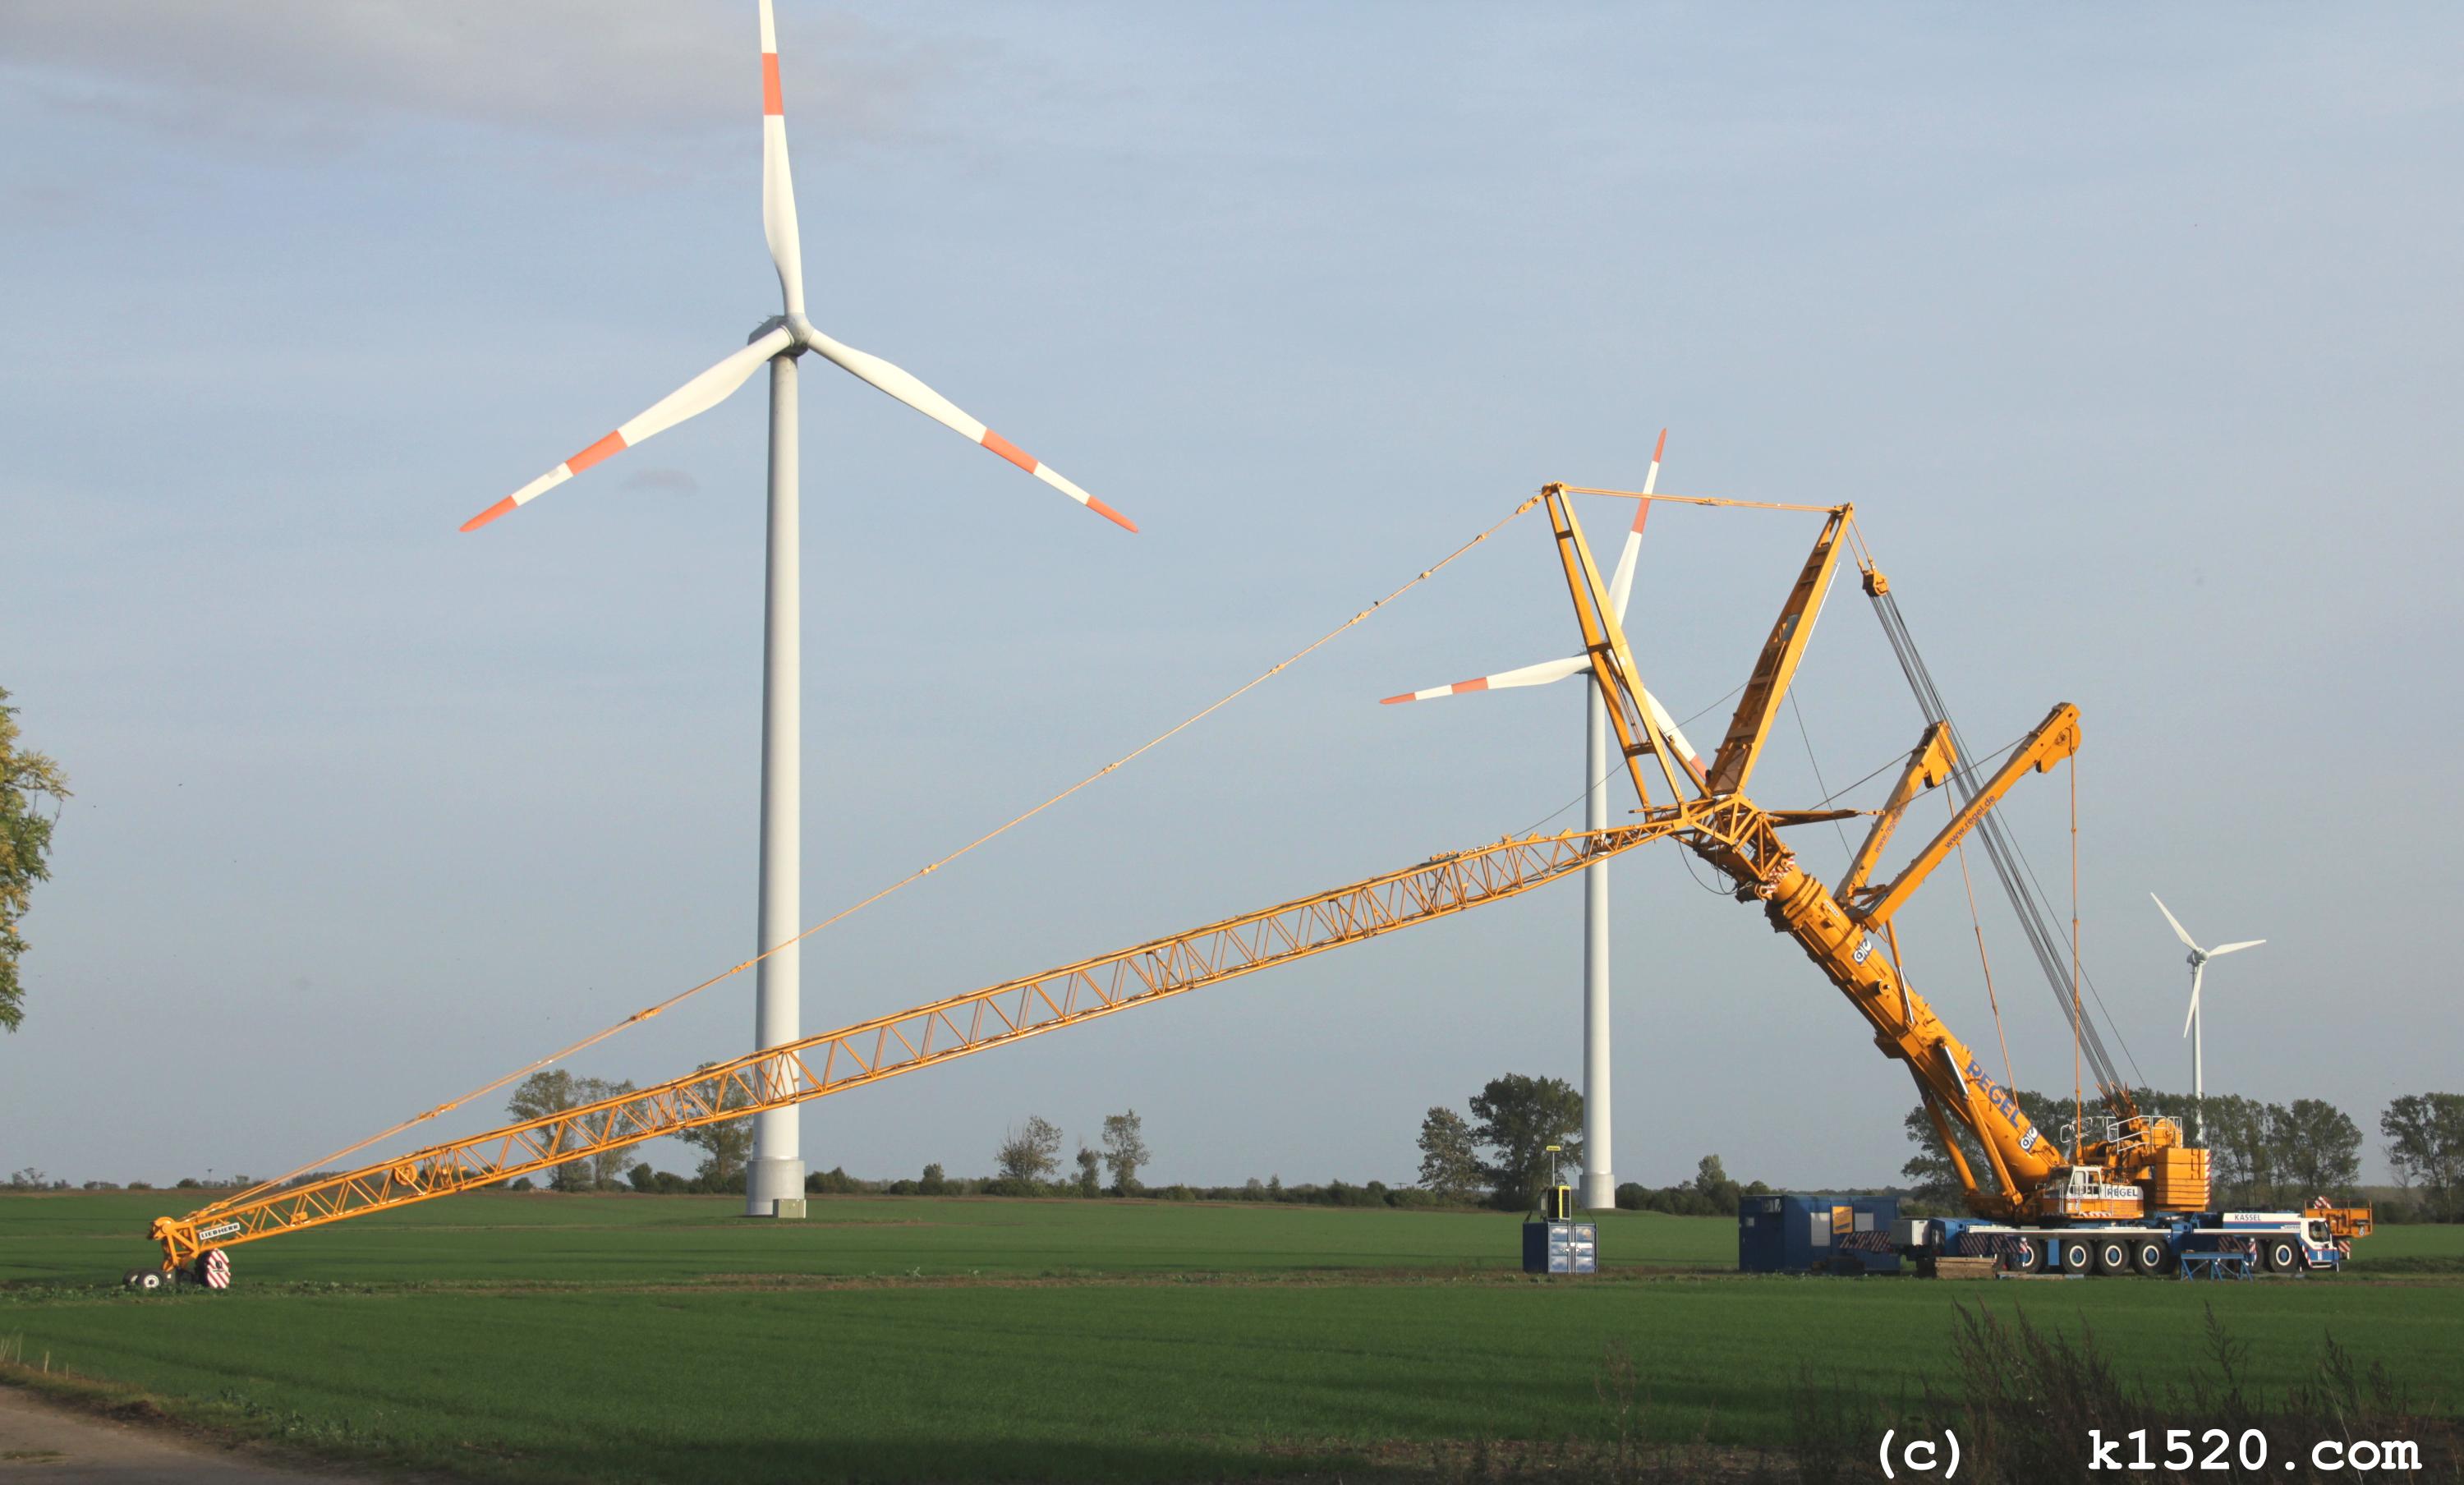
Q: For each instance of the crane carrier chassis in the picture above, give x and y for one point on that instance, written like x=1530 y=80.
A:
x=2134 y=1198
x=2189 y=1245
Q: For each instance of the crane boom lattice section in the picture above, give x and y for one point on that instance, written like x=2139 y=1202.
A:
x=869 y=1051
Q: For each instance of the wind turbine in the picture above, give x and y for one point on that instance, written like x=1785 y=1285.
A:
x=2191 y=1026
x=777 y=1172
x=1599 y=1179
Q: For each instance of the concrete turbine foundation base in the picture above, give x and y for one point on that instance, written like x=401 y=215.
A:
x=767 y=1182
x=1599 y=1193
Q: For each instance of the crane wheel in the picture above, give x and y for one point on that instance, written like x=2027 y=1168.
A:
x=2152 y=1256
x=2074 y=1255
x=2113 y=1257
x=2028 y=1257
x=2282 y=1257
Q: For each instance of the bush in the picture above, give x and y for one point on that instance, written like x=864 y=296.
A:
x=834 y=1182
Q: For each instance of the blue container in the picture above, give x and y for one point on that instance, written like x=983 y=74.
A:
x=1804 y=1232
x=1561 y=1248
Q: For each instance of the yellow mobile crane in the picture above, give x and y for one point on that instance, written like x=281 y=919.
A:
x=2133 y=1199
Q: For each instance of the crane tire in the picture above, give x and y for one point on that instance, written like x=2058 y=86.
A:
x=2076 y=1255
x=2112 y=1255
x=2151 y=1256
x=2026 y=1258
x=2282 y=1257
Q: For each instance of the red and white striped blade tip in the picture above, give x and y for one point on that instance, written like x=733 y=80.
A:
x=1435 y=692
x=1112 y=515
x=489 y=515
x=1661 y=447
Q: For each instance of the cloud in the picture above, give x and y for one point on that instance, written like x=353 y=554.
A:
x=663 y=480
x=285 y=72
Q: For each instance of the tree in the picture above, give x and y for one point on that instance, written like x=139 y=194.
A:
x=1449 y=1156
x=1031 y=1152
x=1931 y=1170
x=2241 y=1152
x=1125 y=1150
x=1519 y=1118
x=27 y=778
x=609 y=1163
x=725 y=1146
x=2318 y=1149
x=1091 y=1180
x=1712 y=1184
x=2425 y=1143
x=544 y=1094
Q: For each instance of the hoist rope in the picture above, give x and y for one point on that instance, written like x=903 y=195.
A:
x=2009 y=1075
x=910 y=879
x=1847 y=851
x=2079 y=1094
x=2034 y=910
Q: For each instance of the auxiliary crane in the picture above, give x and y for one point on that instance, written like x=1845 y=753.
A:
x=2133 y=1199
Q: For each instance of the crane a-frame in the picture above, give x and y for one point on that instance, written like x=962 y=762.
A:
x=2136 y=1174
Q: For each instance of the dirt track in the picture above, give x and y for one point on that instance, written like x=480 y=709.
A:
x=43 y=1441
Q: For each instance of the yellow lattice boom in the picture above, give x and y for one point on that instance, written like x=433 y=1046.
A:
x=867 y=1051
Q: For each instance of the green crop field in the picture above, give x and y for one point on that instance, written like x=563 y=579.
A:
x=542 y=1336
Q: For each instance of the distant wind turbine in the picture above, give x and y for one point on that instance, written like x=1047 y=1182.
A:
x=2191 y=1026
x=777 y=1172
x=1599 y=1178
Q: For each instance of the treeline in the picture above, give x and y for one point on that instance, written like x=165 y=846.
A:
x=2261 y=1155
x=1709 y=1194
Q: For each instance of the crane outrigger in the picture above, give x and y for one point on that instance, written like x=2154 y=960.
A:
x=2134 y=1198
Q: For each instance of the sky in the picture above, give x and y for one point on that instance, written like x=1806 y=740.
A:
x=2132 y=335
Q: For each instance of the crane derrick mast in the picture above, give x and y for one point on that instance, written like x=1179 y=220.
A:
x=2132 y=1201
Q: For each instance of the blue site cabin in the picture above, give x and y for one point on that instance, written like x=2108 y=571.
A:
x=1807 y=1233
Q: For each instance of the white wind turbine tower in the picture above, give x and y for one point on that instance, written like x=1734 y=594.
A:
x=2192 y=1026
x=778 y=1168
x=1599 y=1179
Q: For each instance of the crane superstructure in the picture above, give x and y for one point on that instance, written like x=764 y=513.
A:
x=2135 y=1194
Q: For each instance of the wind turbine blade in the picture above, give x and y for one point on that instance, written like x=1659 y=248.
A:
x=699 y=395
x=1667 y=727
x=1621 y=581
x=2198 y=972
x=1529 y=675
x=2227 y=948
x=778 y=183
x=2179 y=932
x=904 y=386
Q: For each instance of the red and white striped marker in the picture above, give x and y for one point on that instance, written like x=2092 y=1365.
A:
x=1622 y=581
x=697 y=396
x=777 y=182
x=1503 y=680
x=902 y=384
x=786 y=254
x=1621 y=586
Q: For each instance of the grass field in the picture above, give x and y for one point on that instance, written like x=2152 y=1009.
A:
x=664 y=1338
